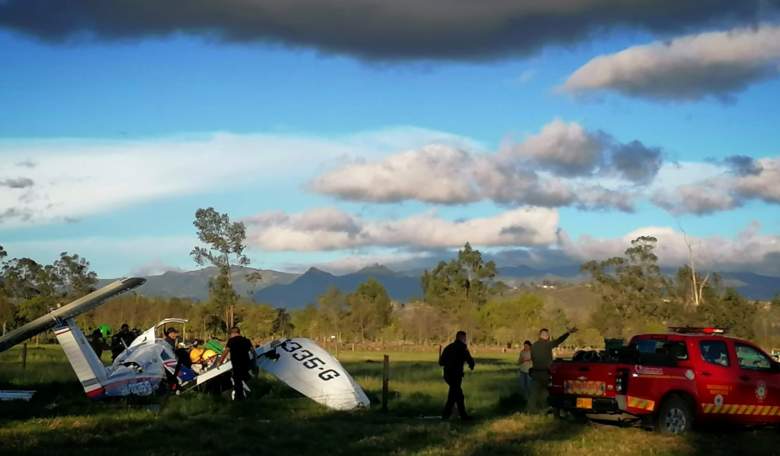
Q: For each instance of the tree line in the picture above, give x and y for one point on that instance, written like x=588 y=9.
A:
x=634 y=295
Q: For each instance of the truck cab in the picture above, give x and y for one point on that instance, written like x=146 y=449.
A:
x=673 y=380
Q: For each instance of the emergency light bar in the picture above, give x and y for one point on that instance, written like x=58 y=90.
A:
x=696 y=330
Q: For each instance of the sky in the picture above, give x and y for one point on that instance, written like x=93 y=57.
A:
x=352 y=132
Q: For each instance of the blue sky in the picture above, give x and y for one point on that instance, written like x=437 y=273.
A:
x=302 y=113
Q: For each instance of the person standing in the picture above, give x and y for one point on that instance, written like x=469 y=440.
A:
x=121 y=341
x=525 y=362
x=242 y=356
x=452 y=359
x=97 y=342
x=542 y=358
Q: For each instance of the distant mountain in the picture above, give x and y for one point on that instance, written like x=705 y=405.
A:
x=195 y=284
x=282 y=289
x=308 y=287
x=752 y=286
x=523 y=271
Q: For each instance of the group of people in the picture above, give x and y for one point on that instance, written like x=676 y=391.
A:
x=535 y=360
x=119 y=341
x=202 y=355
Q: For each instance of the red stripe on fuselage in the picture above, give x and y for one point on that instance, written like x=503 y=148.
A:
x=96 y=393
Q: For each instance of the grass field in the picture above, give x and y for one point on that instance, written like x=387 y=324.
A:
x=276 y=420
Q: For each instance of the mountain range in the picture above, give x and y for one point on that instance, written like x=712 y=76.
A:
x=294 y=291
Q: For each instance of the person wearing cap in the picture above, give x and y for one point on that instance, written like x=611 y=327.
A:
x=170 y=336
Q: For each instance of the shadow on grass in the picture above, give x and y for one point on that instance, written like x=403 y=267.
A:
x=718 y=440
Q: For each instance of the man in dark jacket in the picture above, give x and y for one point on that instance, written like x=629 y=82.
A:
x=242 y=358
x=541 y=359
x=452 y=359
x=121 y=341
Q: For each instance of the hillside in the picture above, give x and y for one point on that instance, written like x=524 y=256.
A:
x=305 y=289
x=195 y=284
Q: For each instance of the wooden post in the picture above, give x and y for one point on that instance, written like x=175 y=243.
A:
x=385 y=382
x=24 y=356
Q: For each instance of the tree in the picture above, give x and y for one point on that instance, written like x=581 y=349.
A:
x=282 y=324
x=461 y=285
x=29 y=289
x=690 y=290
x=512 y=319
x=633 y=290
x=74 y=274
x=7 y=308
x=306 y=321
x=369 y=308
x=422 y=322
x=732 y=312
x=225 y=242
x=257 y=320
x=331 y=311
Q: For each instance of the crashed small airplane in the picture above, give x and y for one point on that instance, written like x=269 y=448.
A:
x=145 y=367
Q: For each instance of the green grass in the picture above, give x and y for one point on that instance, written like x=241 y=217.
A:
x=277 y=420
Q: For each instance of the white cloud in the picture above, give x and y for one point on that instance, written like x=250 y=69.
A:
x=337 y=230
x=718 y=187
x=686 y=68
x=59 y=180
x=562 y=165
x=763 y=183
x=749 y=250
x=434 y=173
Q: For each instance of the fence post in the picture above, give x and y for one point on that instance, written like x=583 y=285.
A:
x=24 y=356
x=385 y=382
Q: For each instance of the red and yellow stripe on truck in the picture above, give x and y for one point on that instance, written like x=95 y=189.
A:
x=741 y=409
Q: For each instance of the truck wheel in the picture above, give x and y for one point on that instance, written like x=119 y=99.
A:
x=675 y=416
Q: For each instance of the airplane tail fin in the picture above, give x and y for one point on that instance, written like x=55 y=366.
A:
x=89 y=369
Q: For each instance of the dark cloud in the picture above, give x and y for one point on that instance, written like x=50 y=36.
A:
x=743 y=165
x=636 y=162
x=514 y=229
x=19 y=182
x=375 y=29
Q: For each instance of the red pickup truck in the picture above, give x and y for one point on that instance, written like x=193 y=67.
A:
x=672 y=380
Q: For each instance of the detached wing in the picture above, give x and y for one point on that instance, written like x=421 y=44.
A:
x=312 y=371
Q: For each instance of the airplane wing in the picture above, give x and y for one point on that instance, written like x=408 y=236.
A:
x=312 y=371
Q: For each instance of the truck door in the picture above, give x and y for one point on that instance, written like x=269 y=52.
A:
x=758 y=385
x=716 y=374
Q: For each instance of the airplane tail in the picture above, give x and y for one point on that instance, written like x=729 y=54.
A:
x=89 y=369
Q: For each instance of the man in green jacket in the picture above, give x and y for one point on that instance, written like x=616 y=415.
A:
x=542 y=358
